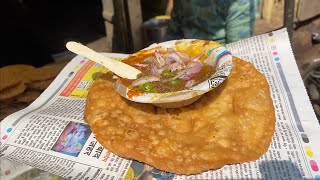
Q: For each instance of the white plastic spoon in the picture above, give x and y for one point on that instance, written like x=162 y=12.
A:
x=119 y=68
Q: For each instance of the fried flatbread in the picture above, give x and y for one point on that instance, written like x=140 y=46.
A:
x=39 y=85
x=233 y=123
x=12 y=91
x=11 y=75
x=46 y=72
x=28 y=96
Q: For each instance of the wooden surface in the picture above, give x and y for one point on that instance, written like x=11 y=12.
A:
x=307 y=9
x=135 y=18
x=123 y=21
x=107 y=14
x=267 y=6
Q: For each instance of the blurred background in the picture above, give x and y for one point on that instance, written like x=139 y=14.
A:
x=36 y=31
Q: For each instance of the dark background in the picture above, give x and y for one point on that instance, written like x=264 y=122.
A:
x=33 y=30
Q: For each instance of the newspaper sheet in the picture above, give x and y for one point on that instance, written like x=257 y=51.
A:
x=51 y=134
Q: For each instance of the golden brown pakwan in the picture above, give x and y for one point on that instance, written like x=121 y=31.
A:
x=233 y=123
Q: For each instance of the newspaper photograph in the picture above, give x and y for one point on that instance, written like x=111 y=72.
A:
x=51 y=134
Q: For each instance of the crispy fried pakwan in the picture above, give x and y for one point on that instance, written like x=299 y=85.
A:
x=233 y=123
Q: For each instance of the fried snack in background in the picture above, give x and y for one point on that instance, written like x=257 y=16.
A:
x=39 y=85
x=233 y=123
x=12 y=91
x=21 y=84
x=11 y=75
x=45 y=72
x=15 y=79
x=12 y=83
x=28 y=96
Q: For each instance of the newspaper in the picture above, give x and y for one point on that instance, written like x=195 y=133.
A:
x=51 y=135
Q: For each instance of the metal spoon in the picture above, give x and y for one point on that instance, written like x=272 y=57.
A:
x=119 y=68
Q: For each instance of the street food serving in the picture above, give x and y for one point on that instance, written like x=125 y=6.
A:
x=233 y=123
x=166 y=70
x=176 y=71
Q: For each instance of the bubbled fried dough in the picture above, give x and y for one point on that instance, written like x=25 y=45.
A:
x=232 y=124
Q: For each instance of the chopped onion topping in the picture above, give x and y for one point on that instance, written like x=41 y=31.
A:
x=150 y=59
x=190 y=83
x=185 y=57
x=155 y=71
x=176 y=66
x=145 y=79
x=183 y=65
x=173 y=56
x=192 y=69
x=159 y=58
x=141 y=65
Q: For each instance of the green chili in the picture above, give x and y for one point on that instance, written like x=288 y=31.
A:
x=147 y=87
x=175 y=82
x=167 y=73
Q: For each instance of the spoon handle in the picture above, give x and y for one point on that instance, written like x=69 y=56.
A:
x=119 y=68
